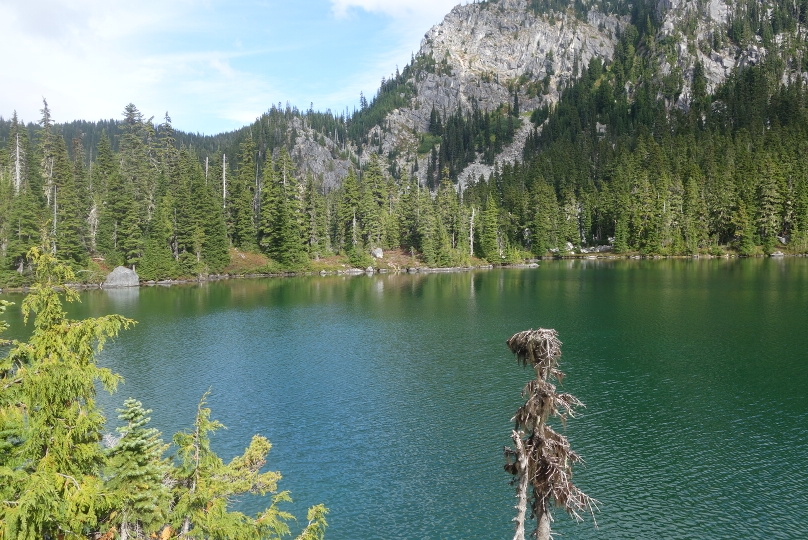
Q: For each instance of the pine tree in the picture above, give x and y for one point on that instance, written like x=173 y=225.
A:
x=158 y=261
x=348 y=232
x=58 y=481
x=407 y=216
x=119 y=237
x=68 y=223
x=428 y=233
x=205 y=486
x=316 y=219
x=489 y=237
x=373 y=203
x=25 y=224
x=545 y=210
x=139 y=160
x=281 y=231
x=568 y=218
x=240 y=218
x=50 y=425
x=103 y=168
x=744 y=231
x=448 y=210
x=695 y=214
x=769 y=195
x=210 y=220
x=135 y=474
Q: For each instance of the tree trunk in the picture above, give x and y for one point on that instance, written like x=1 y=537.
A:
x=543 y=527
x=521 y=492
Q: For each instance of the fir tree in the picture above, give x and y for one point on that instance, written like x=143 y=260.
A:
x=489 y=236
x=205 y=485
x=136 y=471
x=158 y=261
x=68 y=222
x=240 y=218
x=316 y=219
x=349 y=235
x=210 y=221
x=545 y=210
x=51 y=485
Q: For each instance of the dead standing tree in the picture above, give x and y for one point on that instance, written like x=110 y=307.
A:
x=543 y=459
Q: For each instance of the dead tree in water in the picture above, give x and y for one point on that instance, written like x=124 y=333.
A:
x=542 y=459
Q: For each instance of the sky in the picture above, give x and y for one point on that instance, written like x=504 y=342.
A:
x=212 y=65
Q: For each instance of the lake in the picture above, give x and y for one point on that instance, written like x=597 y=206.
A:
x=388 y=398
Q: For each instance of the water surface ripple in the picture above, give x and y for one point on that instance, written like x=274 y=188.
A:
x=388 y=398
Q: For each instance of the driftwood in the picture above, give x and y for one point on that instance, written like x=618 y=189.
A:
x=543 y=459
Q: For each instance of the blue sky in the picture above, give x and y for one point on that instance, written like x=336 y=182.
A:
x=212 y=65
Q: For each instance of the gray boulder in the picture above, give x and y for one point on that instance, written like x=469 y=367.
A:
x=121 y=277
x=377 y=253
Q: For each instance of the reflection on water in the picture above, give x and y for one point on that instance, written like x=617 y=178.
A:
x=388 y=398
x=123 y=297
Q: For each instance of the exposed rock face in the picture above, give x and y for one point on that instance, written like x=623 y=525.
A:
x=121 y=277
x=680 y=48
x=484 y=52
x=318 y=155
x=489 y=45
x=481 y=51
x=509 y=155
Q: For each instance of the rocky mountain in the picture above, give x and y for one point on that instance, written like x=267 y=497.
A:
x=488 y=56
x=484 y=54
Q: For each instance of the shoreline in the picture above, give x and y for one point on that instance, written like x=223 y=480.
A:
x=532 y=263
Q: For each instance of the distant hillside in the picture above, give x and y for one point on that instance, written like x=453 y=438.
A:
x=519 y=128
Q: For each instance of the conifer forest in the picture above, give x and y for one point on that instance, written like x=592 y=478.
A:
x=612 y=167
x=727 y=176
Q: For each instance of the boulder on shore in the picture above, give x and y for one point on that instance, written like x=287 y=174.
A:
x=377 y=253
x=121 y=277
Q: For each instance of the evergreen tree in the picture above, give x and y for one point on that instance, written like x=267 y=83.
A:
x=119 y=235
x=695 y=214
x=240 y=219
x=448 y=210
x=408 y=215
x=490 y=241
x=349 y=235
x=281 y=231
x=744 y=231
x=50 y=426
x=103 y=168
x=316 y=219
x=429 y=233
x=373 y=203
x=68 y=225
x=770 y=206
x=139 y=160
x=135 y=474
x=25 y=223
x=210 y=220
x=205 y=485
x=158 y=261
x=545 y=210
x=58 y=482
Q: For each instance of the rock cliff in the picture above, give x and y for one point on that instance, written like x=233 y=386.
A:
x=483 y=54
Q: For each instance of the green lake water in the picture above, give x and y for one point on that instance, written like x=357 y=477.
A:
x=388 y=398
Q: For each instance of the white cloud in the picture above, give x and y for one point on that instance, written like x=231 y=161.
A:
x=410 y=20
x=214 y=65
x=90 y=58
x=419 y=9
